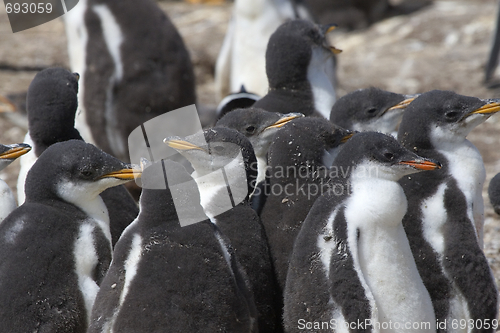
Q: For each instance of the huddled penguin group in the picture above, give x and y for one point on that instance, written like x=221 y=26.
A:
x=294 y=212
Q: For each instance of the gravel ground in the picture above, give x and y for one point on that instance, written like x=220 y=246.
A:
x=443 y=46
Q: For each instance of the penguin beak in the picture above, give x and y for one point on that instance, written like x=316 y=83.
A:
x=124 y=174
x=489 y=108
x=347 y=137
x=285 y=119
x=15 y=152
x=424 y=165
x=327 y=28
x=403 y=104
x=6 y=105
x=181 y=144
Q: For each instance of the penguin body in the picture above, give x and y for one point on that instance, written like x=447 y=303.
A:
x=370 y=109
x=300 y=67
x=352 y=262
x=52 y=103
x=301 y=153
x=444 y=221
x=8 y=153
x=241 y=60
x=127 y=78
x=494 y=193
x=56 y=247
x=230 y=153
x=185 y=279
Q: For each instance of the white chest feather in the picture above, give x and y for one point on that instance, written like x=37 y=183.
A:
x=321 y=84
x=7 y=200
x=27 y=161
x=433 y=219
x=375 y=210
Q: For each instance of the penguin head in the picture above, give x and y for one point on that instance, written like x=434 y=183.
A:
x=370 y=109
x=8 y=153
x=258 y=125
x=307 y=141
x=376 y=155
x=241 y=99
x=225 y=148
x=290 y=51
x=75 y=171
x=52 y=103
x=440 y=118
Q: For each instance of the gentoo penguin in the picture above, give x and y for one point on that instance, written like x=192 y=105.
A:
x=300 y=67
x=133 y=66
x=165 y=277
x=298 y=158
x=370 y=109
x=225 y=178
x=8 y=153
x=444 y=221
x=56 y=248
x=239 y=100
x=242 y=59
x=52 y=103
x=352 y=266
x=494 y=193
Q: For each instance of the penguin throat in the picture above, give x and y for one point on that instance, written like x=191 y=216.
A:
x=320 y=75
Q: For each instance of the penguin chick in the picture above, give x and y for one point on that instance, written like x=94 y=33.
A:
x=352 y=262
x=56 y=248
x=370 y=109
x=301 y=69
x=444 y=221
x=8 y=154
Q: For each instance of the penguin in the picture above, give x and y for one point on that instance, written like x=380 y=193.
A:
x=133 y=64
x=239 y=100
x=444 y=221
x=52 y=103
x=300 y=67
x=56 y=247
x=492 y=63
x=351 y=266
x=225 y=177
x=301 y=153
x=494 y=193
x=370 y=109
x=165 y=276
x=242 y=60
x=8 y=154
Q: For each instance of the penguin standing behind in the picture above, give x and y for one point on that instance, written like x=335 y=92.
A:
x=56 y=248
x=370 y=109
x=301 y=70
x=134 y=67
x=8 y=154
x=444 y=221
x=225 y=178
x=241 y=60
x=298 y=158
x=52 y=104
x=352 y=262
x=494 y=193
x=165 y=277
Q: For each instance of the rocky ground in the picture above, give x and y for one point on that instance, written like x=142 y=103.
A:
x=443 y=46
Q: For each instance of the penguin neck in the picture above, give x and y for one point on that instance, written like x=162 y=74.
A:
x=157 y=208
x=261 y=168
x=45 y=138
x=379 y=243
x=320 y=83
x=7 y=201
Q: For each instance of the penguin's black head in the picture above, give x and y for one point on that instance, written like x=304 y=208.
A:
x=439 y=118
x=258 y=125
x=307 y=141
x=224 y=148
x=290 y=50
x=9 y=153
x=370 y=109
x=75 y=171
x=239 y=100
x=376 y=155
x=51 y=103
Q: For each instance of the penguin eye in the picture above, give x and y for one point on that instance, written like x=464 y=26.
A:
x=86 y=173
x=250 y=129
x=451 y=114
x=389 y=156
x=218 y=149
x=371 y=111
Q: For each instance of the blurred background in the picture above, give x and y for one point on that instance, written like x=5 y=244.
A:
x=442 y=45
